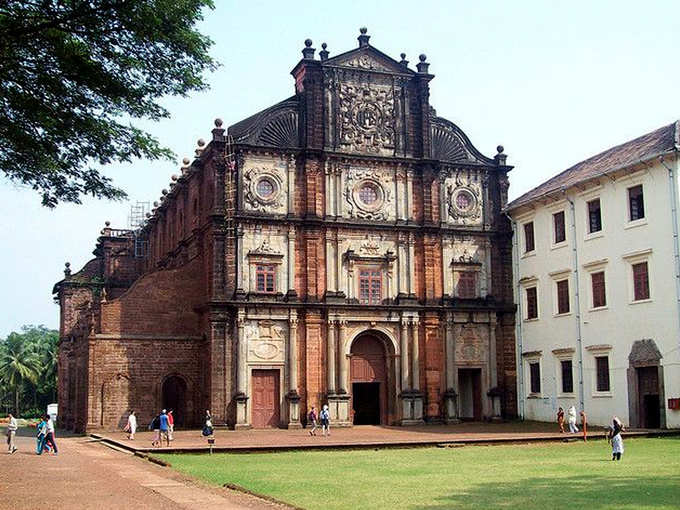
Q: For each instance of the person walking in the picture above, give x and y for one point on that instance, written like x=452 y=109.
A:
x=325 y=420
x=560 y=419
x=207 y=425
x=312 y=417
x=584 y=425
x=616 y=439
x=131 y=426
x=49 y=438
x=163 y=427
x=11 y=433
x=171 y=425
x=572 y=420
x=155 y=425
x=41 y=433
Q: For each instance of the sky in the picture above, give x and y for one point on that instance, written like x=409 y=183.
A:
x=554 y=82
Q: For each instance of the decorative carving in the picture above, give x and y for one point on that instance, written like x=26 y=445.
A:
x=263 y=189
x=266 y=340
x=469 y=348
x=265 y=248
x=366 y=122
x=463 y=198
x=370 y=247
x=365 y=62
x=368 y=194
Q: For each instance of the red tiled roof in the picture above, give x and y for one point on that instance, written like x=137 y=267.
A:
x=662 y=140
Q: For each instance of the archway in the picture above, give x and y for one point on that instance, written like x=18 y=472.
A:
x=174 y=397
x=646 y=386
x=369 y=378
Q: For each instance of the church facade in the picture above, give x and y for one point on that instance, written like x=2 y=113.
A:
x=345 y=246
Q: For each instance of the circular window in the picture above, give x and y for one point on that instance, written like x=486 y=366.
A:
x=464 y=200
x=265 y=188
x=368 y=194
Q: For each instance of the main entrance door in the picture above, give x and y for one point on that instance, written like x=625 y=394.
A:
x=470 y=393
x=265 y=403
x=369 y=381
x=648 y=395
x=174 y=397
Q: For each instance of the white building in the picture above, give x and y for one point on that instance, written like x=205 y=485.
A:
x=597 y=282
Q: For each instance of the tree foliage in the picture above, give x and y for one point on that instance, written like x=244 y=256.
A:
x=28 y=368
x=75 y=73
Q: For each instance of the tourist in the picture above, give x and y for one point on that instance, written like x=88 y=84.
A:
x=163 y=426
x=49 y=438
x=41 y=433
x=155 y=425
x=131 y=426
x=616 y=439
x=560 y=419
x=572 y=420
x=207 y=426
x=325 y=421
x=312 y=420
x=11 y=433
x=171 y=425
x=584 y=425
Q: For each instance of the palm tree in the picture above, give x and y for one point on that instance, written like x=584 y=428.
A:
x=18 y=363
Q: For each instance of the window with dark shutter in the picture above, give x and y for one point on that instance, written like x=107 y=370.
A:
x=265 y=278
x=529 y=237
x=532 y=303
x=594 y=216
x=370 y=286
x=563 y=296
x=467 y=284
x=602 y=363
x=558 y=221
x=599 y=295
x=535 y=369
x=636 y=203
x=567 y=377
x=640 y=281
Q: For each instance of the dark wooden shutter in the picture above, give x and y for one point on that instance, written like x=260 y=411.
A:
x=599 y=294
x=563 y=296
x=529 y=237
x=641 y=281
x=602 y=373
x=558 y=220
x=567 y=377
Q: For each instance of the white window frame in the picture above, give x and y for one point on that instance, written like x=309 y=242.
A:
x=529 y=283
x=599 y=233
x=597 y=266
x=561 y=244
x=600 y=351
x=524 y=239
x=633 y=182
x=560 y=276
x=631 y=259
x=529 y=359
x=565 y=354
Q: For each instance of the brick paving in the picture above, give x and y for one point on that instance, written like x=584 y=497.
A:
x=356 y=437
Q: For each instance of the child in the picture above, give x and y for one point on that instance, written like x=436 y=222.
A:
x=41 y=433
x=560 y=419
x=616 y=439
x=131 y=426
x=325 y=420
x=312 y=419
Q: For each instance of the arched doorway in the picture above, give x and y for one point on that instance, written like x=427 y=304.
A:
x=369 y=381
x=174 y=397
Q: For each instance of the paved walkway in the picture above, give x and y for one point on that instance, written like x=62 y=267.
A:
x=358 y=436
x=88 y=475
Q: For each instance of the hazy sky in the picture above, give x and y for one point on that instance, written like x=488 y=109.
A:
x=554 y=82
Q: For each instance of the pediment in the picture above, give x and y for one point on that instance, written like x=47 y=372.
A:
x=368 y=59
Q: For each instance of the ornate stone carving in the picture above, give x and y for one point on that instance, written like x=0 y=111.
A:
x=469 y=346
x=463 y=200
x=365 y=62
x=370 y=247
x=264 y=189
x=366 y=118
x=266 y=341
x=368 y=194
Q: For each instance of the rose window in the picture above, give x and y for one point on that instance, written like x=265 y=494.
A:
x=265 y=188
x=368 y=194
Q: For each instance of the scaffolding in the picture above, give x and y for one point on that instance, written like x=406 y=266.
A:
x=136 y=220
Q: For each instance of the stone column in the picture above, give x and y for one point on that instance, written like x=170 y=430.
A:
x=493 y=369
x=332 y=347
x=291 y=262
x=338 y=265
x=403 y=338
x=339 y=400
x=415 y=362
x=399 y=190
x=241 y=374
x=450 y=395
x=331 y=286
x=402 y=271
x=411 y=264
x=293 y=396
x=291 y=185
x=240 y=262
x=329 y=190
x=338 y=192
x=344 y=360
x=409 y=195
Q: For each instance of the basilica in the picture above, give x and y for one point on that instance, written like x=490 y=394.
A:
x=345 y=246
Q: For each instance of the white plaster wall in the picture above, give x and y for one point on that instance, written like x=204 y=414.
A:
x=621 y=322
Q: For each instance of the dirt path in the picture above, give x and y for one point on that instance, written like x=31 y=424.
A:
x=88 y=475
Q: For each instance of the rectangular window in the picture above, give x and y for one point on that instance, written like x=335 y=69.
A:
x=558 y=221
x=467 y=284
x=567 y=377
x=599 y=295
x=529 y=237
x=535 y=369
x=370 y=286
x=636 y=203
x=532 y=303
x=265 y=278
x=602 y=364
x=563 y=296
x=594 y=216
x=640 y=281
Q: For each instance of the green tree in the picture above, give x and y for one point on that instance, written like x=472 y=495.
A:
x=18 y=364
x=73 y=73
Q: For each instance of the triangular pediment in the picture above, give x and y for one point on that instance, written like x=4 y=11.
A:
x=368 y=59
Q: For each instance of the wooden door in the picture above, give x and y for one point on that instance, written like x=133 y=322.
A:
x=265 y=395
x=368 y=365
x=648 y=397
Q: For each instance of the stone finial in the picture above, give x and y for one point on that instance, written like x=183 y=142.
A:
x=174 y=177
x=156 y=204
x=324 y=53
x=422 y=65
x=218 y=132
x=403 y=61
x=500 y=158
x=186 y=163
x=164 y=192
x=67 y=269
x=308 y=51
x=107 y=224
x=200 y=148
x=148 y=215
x=363 y=38
x=218 y=122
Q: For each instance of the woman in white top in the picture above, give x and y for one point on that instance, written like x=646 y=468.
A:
x=131 y=426
x=572 y=420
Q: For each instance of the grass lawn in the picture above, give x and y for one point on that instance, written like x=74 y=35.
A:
x=557 y=475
